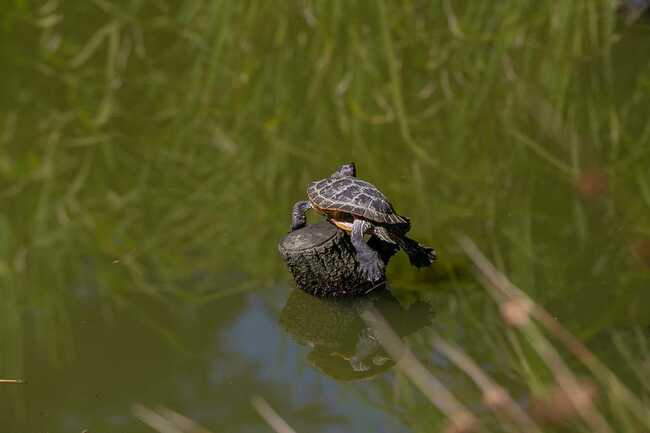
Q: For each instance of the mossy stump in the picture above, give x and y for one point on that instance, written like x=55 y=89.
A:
x=324 y=263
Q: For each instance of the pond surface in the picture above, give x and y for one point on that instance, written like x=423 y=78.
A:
x=150 y=154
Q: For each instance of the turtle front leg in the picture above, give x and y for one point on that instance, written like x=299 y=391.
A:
x=298 y=219
x=372 y=268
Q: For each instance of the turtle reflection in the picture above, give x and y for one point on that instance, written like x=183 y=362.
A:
x=343 y=347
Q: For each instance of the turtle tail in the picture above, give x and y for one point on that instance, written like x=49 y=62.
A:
x=419 y=255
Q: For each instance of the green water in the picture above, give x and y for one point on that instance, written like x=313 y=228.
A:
x=150 y=153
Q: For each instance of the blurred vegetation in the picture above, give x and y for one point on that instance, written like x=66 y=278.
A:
x=156 y=147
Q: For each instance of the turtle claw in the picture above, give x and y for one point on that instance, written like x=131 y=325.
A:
x=371 y=267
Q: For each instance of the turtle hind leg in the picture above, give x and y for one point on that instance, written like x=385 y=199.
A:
x=419 y=255
x=371 y=266
x=298 y=219
x=383 y=243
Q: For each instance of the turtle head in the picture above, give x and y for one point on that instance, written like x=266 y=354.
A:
x=346 y=170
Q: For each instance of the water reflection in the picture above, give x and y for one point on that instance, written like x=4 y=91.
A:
x=342 y=345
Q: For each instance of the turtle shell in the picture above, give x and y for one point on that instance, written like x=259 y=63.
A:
x=353 y=196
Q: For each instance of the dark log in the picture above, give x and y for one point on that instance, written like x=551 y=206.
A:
x=324 y=263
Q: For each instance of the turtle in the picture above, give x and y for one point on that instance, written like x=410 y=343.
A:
x=359 y=208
